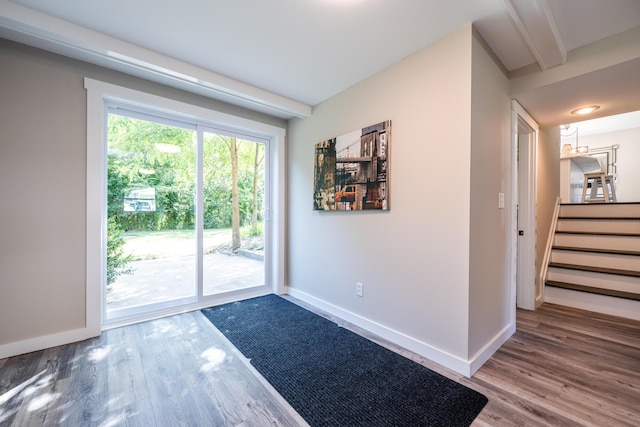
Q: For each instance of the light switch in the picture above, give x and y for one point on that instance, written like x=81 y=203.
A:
x=500 y=200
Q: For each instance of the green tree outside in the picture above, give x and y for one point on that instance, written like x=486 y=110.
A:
x=147 y=155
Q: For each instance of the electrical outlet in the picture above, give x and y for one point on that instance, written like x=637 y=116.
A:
x=359 y=289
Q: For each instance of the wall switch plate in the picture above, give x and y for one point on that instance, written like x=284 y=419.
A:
x=500 y=200
x=359 y=289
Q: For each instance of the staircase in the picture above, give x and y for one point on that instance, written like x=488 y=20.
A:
x=596 y=251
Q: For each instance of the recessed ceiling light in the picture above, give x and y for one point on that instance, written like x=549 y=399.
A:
x=585 y=110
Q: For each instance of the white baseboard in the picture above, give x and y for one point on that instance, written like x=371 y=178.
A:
x=67 y=337
x=620 y=307
x=455 y=363
x=491 y=347
x=46 y=341
x=185 y=308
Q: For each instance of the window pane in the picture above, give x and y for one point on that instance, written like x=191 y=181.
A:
x=233 y=248
x=151 y=244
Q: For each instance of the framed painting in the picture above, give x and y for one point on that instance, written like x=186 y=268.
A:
x=351 y=171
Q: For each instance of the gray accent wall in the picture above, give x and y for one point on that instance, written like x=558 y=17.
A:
x=42 y=186
x=490 y=252
x=435 y=267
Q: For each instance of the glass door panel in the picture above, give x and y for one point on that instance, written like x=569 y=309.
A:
x=151 y=242
x=233 y=206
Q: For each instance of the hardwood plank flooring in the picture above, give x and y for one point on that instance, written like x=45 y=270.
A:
x=563 y=367
x=177 y=371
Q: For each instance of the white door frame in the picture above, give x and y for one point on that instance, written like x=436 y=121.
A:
x=98 y=93
x=523 y=262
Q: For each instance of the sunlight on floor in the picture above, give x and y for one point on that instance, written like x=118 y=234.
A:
x=163 y=327
x=17 y=389
x=214 y=358
x=27 y=390
x=98 y=354
x=116 y=420
x=42 y=401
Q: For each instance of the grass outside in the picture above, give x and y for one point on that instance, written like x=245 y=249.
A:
x=177 y=243
x=172 y=243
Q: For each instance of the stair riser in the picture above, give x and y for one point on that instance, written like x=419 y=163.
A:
x=618 y=262
x=598 y=280
x=608 y=210
x=617 y=228
x=623 y=243
x=600 y=226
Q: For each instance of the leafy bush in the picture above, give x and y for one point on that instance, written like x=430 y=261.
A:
x=117 y=262
x=135 y=162
x=251 y=230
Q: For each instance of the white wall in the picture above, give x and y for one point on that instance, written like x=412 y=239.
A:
x=489 y=284
x=628 y=189
x=413 y=260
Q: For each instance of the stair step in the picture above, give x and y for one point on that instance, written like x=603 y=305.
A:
x=596 y=259
x=598 y=233
x=611 y=210
x=597 y=250
x=600 y=225
x=593 y=290
x=628 y=243
x=595 y=279
x=595 y=254
x=619 y=272
x=599 y=218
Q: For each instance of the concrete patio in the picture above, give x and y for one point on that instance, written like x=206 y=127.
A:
x=165 y=279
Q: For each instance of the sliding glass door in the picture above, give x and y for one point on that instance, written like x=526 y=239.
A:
x=233 y=204
x=185 y=210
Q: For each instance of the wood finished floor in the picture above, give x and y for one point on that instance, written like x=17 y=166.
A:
x=176 y=371
x=563 y=367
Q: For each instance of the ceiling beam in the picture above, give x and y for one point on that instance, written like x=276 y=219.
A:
x=534 y=20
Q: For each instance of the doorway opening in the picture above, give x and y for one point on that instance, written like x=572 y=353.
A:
x=525 y=141
x=184 y=213
x=199 y=233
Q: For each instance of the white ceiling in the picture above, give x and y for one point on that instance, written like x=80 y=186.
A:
x=296 y=53
x=618 y=122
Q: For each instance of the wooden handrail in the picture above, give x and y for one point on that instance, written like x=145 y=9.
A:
x=547 y=253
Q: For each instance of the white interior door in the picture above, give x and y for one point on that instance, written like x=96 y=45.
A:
x=525 y=139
